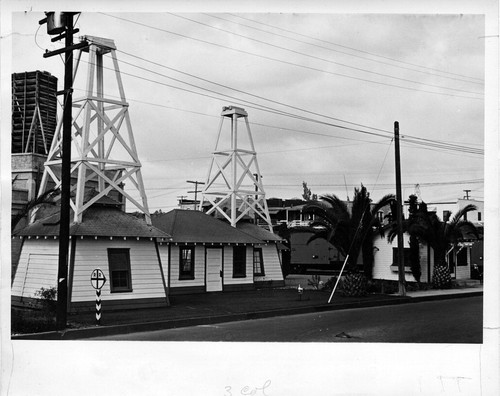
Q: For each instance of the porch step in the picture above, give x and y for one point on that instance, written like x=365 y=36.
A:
x=467 y=282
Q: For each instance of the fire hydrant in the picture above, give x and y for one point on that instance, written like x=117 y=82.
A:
x=300 y=290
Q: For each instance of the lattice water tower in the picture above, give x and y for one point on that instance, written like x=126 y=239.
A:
x=234 y=185
x=104 y=155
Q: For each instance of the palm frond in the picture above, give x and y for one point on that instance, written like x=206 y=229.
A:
x=462 y=212
x=48 y=197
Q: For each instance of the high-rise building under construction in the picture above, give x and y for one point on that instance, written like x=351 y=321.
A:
x=34 y=119
x=34 y=110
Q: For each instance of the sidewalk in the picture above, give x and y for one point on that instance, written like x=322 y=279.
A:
x=198 y=309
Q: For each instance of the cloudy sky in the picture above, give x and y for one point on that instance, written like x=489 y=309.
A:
x=342 y=80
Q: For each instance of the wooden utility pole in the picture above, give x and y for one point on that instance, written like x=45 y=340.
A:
x=196 y=183
x=62 y=24
x=62 y=273
x=399 y=214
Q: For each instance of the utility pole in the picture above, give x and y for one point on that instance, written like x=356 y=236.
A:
x=257 y=176
x=61 y=23
x=399 y=214
x=196 y=183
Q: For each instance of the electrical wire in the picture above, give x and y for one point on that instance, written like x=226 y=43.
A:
x=287 y=62
x=322 y=59
x=361 y=51
x=481 y=82
x=247 y=93
x=433 y=144
x=410 y=139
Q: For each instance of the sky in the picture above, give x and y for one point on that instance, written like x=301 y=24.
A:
x=351 y=75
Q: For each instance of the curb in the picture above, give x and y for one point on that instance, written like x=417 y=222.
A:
x=91 y=332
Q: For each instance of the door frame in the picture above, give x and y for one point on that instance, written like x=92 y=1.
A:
x=215 y=247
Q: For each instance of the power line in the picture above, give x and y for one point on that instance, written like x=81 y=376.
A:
x=289 y=63
x=341 y=185
x=322 y=59
x=249 y=104
x=240 y=91
x=362 y=51
x=415 y=140
x=481 y=82
x=409 y=138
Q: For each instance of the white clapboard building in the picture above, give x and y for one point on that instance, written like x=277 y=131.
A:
x=121 y=245
x=206 y=254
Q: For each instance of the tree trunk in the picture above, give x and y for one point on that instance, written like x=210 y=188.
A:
x=415 y=258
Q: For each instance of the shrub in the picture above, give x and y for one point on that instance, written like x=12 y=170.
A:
x=49 y=294
x=316 y=282
x=354 y=285
x=48 y=298
x=31 y=321
x=330 y=284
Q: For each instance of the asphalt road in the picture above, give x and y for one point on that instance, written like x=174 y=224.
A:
x=443 y=321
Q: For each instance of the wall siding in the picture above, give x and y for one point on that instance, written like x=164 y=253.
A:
x=199 y=268
x=272 y=265
x=38 y=263
x=145 y=270
x=383 y=260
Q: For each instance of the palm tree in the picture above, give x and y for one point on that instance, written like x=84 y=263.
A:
x=48 y=197
x=411 y=225
x=442 y=237
x=350 y=230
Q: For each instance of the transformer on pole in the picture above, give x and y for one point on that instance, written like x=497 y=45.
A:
x=233 y=186
x=104 y=152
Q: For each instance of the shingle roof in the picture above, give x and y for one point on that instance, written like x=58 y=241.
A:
x=98 y=220
x=257 y=232
x=193 y=226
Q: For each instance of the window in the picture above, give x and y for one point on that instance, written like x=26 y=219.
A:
x=406 y=260
x=186 y=262
x=239 y=261
x=380 y=216
x=478 y=216
x=258 y=262
x=119 y=270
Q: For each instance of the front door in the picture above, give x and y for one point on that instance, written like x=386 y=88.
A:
x=214 y=269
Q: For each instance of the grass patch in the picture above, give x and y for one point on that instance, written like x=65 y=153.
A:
x=25 y=321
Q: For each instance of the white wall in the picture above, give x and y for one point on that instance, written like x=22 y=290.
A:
x=199 y=267
x=145 y=271
x=39 y=259
x=383 y=260
x=37 y=267
x=272 y=264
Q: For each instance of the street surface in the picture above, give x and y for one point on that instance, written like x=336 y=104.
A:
x=443 y=321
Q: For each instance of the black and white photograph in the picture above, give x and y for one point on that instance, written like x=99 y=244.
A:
x=249 y=200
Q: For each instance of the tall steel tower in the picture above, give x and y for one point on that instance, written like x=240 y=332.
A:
x=233 y=185
x=104 y=155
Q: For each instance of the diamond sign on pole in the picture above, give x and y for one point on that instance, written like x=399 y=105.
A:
x=97 y=279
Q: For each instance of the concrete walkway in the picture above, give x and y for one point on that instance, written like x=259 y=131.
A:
x=199 y=309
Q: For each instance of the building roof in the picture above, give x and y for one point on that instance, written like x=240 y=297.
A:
x=102 y=220
x=258 y=232
x=192 y=226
